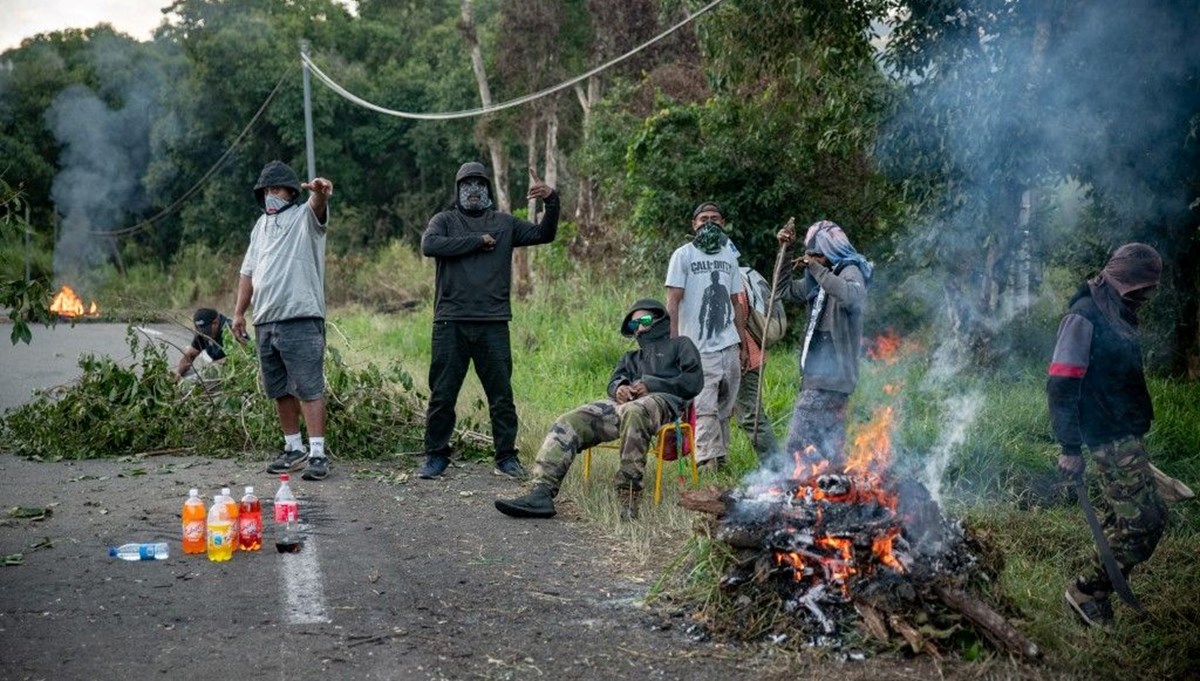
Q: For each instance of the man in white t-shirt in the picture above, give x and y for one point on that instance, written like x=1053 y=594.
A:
x=283 y=275
x=702 y=282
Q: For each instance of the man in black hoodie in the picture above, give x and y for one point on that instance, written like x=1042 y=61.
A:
x=649 y=387
x=473 y=246
x=1098 y=397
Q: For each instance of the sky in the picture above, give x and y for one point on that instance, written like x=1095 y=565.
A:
x=26 y=18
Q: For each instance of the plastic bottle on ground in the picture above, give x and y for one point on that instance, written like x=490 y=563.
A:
x=250 y=522
x=287 y=513
x=194 y=517
x=286 y=506
x=220 y=531
x=156 y=551
x=232 y=505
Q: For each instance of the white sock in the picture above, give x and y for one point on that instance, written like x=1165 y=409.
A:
x=316 y=446
x=293 y=443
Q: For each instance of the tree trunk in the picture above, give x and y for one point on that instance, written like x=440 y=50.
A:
x=522 y=267
x=495 y=148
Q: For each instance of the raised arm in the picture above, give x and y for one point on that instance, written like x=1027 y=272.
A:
x=529 y=234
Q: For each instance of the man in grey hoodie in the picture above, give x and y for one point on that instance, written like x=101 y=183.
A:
x=834 y=287
x=473 y=244
x=283 y=275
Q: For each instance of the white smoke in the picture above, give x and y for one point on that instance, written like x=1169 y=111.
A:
x=959 y=412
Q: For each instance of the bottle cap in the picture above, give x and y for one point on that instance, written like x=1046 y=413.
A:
x=284 y=477
x=112 y=552
x=193 y=492
x=225 y=491
x=249 y=489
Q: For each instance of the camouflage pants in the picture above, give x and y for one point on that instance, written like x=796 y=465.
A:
x=1133 y=513
x=633 y=423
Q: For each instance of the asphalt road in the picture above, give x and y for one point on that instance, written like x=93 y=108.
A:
x=52 y=358
x=398 y=579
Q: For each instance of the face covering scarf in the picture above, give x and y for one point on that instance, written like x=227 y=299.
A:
x=274 y=204
x=477 y=188
x=710 y=238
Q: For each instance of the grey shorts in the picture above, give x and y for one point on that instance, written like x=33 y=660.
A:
x=291 y=356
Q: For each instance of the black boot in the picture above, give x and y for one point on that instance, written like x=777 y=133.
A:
x=539 y=503
x=631 y=500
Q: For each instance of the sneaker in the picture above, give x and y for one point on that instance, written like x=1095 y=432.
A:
x=288 y=461
x=317 y=469
x=510 y=467
x=539 y=503
x=1092 y=610
x=434 y=467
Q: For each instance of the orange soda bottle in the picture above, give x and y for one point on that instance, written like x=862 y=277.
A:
x=231 y=505
x=250 y=522
x=194 y=523
x=221 y=537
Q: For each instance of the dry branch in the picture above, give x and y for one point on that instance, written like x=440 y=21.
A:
x=992 y=623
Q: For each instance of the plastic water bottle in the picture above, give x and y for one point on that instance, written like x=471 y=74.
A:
x=220 y=531
x=139 y=551
x=231 y=507
x=250 y=522
x=194 y=516
x=286 y=507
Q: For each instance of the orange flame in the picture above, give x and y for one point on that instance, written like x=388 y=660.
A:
x=67 y=303
x=886 y=347
x=872 y=452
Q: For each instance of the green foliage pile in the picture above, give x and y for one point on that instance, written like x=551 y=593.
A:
x=120 y=408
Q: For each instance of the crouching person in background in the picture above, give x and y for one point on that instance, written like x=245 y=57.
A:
x=649 y=388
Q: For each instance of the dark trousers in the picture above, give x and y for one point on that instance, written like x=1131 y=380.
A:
x=455 y=346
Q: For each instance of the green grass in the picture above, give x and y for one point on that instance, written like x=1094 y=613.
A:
x=565 y=343
x=1000 y=478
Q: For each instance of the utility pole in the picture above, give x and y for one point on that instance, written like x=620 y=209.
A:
x=308 y=126
x=28 y=248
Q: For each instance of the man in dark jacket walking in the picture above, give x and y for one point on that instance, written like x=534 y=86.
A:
x=649 y=388
x=473 y=246
x=1098 y=397
x=834 y=287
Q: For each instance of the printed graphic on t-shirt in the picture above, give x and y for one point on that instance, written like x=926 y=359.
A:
x=706 y=313
x=716 y=310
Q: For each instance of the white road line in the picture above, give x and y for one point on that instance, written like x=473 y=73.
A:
x=304 y=590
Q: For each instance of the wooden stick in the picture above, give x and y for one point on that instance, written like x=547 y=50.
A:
x=993 y=624
x=160 y=452
x=762 y=365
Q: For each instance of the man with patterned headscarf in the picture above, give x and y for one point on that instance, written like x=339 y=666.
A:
x=473 y=245
x=834 y=287
x=1098 y=397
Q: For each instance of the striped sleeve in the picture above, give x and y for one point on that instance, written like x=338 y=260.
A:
x=1067 y=369
x=1073 y=348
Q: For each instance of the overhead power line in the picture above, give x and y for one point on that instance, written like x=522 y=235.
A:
x=468 y=113
x=149 y=222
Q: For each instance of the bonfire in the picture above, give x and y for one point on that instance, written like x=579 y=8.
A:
x=68 y=304
x=855 y=548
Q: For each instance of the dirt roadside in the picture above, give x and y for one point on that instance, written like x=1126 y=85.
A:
x=400 y=579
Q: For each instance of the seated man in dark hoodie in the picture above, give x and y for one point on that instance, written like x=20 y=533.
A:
x=649 y=388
